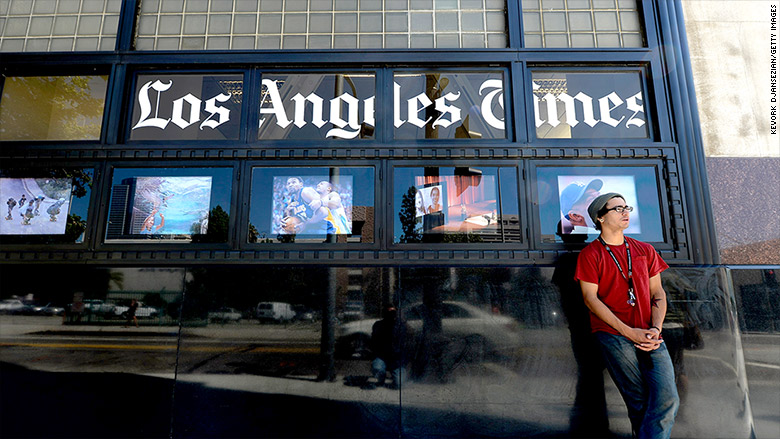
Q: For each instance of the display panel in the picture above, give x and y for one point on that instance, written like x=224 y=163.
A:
x=311 y=205
x=168 y=204
x=45 y=206
x=585 y=105
x=565 y=192
x=315 y=205
x=52 y=107
x=449 y=105
x=461 y=204
x=317 y=106
x=187 y=107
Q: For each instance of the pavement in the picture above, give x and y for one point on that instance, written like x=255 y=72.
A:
x=529 y=396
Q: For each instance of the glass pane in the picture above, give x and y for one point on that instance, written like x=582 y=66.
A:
x=574 y=105
x=314 y=106
x=187 y=107
x=565 y=21
x=90 y=24
x=451 y=205
x=294 y=21
x=564 y=194
x=172 y=205
x=52 y=107
x=45 y=206
x=449 y=105
x=311 y=204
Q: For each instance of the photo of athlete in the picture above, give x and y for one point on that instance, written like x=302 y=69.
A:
x=310 y=205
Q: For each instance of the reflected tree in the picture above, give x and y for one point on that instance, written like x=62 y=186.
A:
x=70 y=106
x=408 y=217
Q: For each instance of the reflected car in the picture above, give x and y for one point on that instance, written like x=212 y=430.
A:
x=465 y=326
x=224 y=315
x=12 y=306
x=48 y=310
x=140 y=312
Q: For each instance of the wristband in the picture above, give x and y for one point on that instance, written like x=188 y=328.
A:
x=657 y=328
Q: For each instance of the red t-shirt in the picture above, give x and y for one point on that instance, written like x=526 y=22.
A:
x=595 y=265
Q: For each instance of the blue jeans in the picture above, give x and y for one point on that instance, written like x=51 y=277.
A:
x=379 y=369
x=646 y=382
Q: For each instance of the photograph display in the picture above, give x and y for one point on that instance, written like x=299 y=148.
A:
x=564 y=194
x=576 y=192
x=312 y=205
x=427 y=200
x=170 y=205
x=35 y=206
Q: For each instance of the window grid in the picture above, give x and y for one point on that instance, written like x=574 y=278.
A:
x=486 y=25
x=58 y=25
x=538 y=34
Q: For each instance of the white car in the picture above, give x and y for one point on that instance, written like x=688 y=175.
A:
x=224 y=315
x=12 y=306
x=474 y=329
x=140 y=312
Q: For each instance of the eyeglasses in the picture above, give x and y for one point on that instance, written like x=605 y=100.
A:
x=621 y=209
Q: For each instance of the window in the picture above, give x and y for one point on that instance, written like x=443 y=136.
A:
x=449 y=105
x=468 y=204
x=312 y=205
x=320 y=24
x=52 y=107
x=57 y=26
x=582 y=23
x=563 y=194
x=169 y=205
x=187 y=107
x=45 y=206
x=575 y=105
x=317 y=106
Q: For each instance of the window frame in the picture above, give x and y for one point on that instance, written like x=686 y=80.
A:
x=242 y=230
x=93 y=207
x=390 y=212
x=152 y=245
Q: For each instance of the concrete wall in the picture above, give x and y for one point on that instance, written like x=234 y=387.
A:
x=730 y=54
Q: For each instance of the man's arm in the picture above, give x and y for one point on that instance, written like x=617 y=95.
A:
x=647 y=340
x=657 y=304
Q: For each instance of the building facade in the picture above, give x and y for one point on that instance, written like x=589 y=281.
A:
x=265 y=176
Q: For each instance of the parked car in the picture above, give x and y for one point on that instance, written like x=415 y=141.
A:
x=12 y=306
x=48 y=310
x=99 y=307
x=304 y=314
x=224 y=315
x=275 y=311
x=474 y=329
x=140 y=312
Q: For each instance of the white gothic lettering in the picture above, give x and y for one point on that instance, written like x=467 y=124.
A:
x=609 y=107
x=185 y=111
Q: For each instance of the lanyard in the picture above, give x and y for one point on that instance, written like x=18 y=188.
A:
x=631 y=297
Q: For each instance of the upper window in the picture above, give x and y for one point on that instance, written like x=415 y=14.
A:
x=449 y=105
x=187 y=107
x=317 y=106
x=320 y=24
x=582 y=23
x=52 y=107
x=460 y=204
x=596 y=104
x=58 y=25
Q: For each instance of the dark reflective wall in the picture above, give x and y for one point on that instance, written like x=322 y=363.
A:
x=291 y=352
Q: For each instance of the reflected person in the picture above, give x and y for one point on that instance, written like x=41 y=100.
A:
x=588 y=417
x=621 y=284
x=387 y=340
